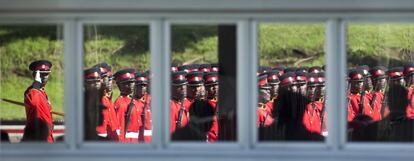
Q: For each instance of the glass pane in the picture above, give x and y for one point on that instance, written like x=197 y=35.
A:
x=117 y=83
x=197 y=53
x=380 y=101
x=291 y=82
x=31 y=83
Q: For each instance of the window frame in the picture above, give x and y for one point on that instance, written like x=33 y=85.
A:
x=247 y=13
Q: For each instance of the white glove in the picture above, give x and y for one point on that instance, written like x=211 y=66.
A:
x=37 y=77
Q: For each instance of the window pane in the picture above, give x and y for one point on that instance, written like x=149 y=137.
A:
x=380 y=103
x=31 y=83
x=198 y=72
x=117 y=83
x=291 y=82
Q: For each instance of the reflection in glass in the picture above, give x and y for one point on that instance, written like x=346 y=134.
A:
x=117 y=82
x=32 y=67
x=291 y=83
x=380 y=82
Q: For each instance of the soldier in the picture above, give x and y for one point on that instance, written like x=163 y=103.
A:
x=358 y=104
x=179 y=104
x=144 y=107
x=409 y=79
x=212 y=88
x=39 y=124
x=273 y=81
x=379 y=81
x=196 y=89
x=288 y=82
x=313 y=112
x=125 y=105
x=110 y=127
x=301 y=80
x=367 y=81
x=264 y=117
x=93 y=108
x=320 y=94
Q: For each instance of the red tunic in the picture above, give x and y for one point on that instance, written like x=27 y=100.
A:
x=175 y=109
x=410 y=106
x=212 y=134
x=135 y=121
x=146 y=102
x=377 y=103
x=264 y=118
x=39 y=124
x=110 y=127
x=312 y=117
x=354 y=110
x=269 y=107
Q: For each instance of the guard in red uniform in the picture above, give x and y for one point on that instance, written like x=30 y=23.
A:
x=378 y=102
x=367 y=81
x=212 y=89
x=39 y=124
x=196 y=89
x=264 y=117
x=320 y=94
x=110 y=127
x=144 y=108
x=273 y=81
x=301 y=80
x=397 y=78
x=409 y=79
x=313 y=112
x=127 y=111
x=179 y=105
x=358 y=104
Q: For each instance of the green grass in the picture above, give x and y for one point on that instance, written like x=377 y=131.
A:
x=128 y=47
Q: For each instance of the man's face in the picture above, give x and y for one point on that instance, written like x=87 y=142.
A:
x=301 y=88
x=179 y=92
x=356 y=86
x=409 y=79
x=44 y=77
x=379 y=84
x=197 y=92
x=107 y=83
x=212 y=91
x=126 y=88
x=369 y=85
x=320 y=91
x=93 y=85
x=273 y=90
x=264 y=95
x=311 y=92
x=399 y=81
x=140 y=90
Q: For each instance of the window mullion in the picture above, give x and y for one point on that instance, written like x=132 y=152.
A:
x=335 y=74
x=73 y=82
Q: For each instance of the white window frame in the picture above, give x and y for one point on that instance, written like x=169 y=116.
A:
x=246 y=14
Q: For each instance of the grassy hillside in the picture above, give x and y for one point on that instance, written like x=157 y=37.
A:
x=128 y=46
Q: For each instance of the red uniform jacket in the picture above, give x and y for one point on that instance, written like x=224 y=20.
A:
x=135 y=121
x=269 y=107
x=212 y=135
x=264 y=118
x=312 y=117
x=175 y=109
x=354 y=110
x=410 y=106
x=39 y=125
x=110 y=127
x=377 y=104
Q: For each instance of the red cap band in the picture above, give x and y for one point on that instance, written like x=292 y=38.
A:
x=393 y=74
x=193 y=79
x=179 y=77
x=174 y=69
x=262 y=82
x=126 y=76
x=300 y=78
x=321 y=79
x=272 y=77
x=312 y=79
x=357 y=76
x=93 y=75
x=42 y=67
x=378 y=72
x=288 y=80
x=142 y=79
x=205 y=70
x=409 y=69
x=215 y=69
x=212 y=79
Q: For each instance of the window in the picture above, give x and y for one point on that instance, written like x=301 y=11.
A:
x=240 y=19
